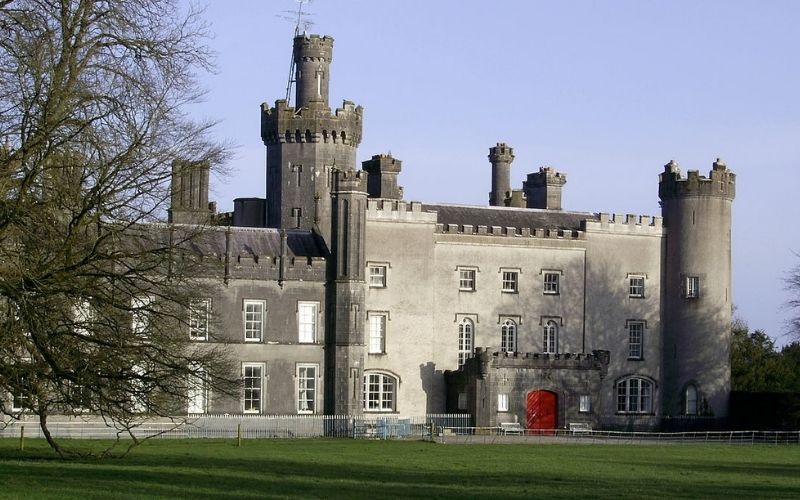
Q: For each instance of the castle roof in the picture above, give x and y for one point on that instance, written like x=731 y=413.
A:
x=509 y=217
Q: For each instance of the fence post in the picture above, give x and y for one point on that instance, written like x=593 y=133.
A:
x=22 y=438
x=239 y=434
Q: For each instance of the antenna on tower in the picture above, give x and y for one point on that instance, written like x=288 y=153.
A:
x=299 y=18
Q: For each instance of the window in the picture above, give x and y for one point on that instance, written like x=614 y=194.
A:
x=691 y=400
x=585 y=403
x=462 y=401
x=377 y=333
x=508 y=336
x=307 y=321
x=466 y=280
x=551 y=283
x=198 y=392
x=692 y=287
x=502 y=402
x=377 y=276
x=379 y=391
x=550 y=338
x=253 y=382
x=635 y=339
x=636 y=286
x=82 y=317
x=634 y=395
x=253 y=320
x=141 y=314
x=465 y=332
x=510 y=282
x=306 y=388
x=198 y=319
x=21 y=399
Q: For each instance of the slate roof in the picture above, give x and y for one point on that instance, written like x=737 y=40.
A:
x=509 y=217
x=258 y=242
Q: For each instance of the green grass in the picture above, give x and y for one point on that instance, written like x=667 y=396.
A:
x=321 y=468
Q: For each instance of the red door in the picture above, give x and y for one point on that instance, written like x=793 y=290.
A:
x=542 y=410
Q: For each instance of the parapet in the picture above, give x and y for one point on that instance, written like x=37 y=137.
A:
x=349 y=180
x=398 y=210
x=720 y=183
x=510 y=232
x=625 y=223
x=285 y=124
x=502 y=152
x=313 y=48
x=484 y=359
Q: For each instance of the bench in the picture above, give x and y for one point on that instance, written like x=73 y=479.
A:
x=579 y=427
x=511 y=428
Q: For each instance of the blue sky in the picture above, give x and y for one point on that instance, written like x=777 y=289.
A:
x=607 y=92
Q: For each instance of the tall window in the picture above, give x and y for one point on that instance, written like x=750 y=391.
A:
x=551 y=283
x=306 y=388
x=502 y=401
x=584 y=403
x=508 y=336
x=198 y=319
x=253 y=320
x=635 y=339
x=253 y=382
x=465 y=333
x=377 y=276
x=377 y=333
x=82 y=317
x=379 y=391
x=692 y=287
x=691 y=400
x=636 y=286
x=141 y=314
x=198 y=392
x=21 y=399
x=550 y=338
x=466 y=280
x=510 y=281
x=634 y=395
x=307 y=321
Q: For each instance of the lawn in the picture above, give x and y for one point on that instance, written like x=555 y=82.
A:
x=325 y=468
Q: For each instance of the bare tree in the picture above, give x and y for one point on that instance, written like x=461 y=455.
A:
x=793 y=285
x=94 y=294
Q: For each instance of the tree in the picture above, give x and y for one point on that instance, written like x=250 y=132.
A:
x=755 y=364
x=793 y=285
x=94 y=293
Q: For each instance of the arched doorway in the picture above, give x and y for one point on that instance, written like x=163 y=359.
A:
x=542 y=410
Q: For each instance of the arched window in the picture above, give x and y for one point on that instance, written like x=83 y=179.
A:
x=308 y=136
x=634 y=395
x=297 y=136
x=325 y=136
x=550 y=338
x=508 y=336
x=465 y=336
x=379 y=392
x=691 y=400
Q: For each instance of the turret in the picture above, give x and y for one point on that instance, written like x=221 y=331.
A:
x=543 y=188
x=382 y=182
x=697 y=291
x=500 y=156
x=189 y=193
x=305 y=144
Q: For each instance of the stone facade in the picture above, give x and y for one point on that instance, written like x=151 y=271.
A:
x=341 y=297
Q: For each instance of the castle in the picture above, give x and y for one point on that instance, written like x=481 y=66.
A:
x=340 y=297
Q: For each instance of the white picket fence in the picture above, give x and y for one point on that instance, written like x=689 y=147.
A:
x=249 y=427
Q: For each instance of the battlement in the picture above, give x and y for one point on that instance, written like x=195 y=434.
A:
x=285 y=124
x=398 y=210
x=350 y=180
x=510 y=232
x=502 y=152
x=720 y=183
x=625 y=223
x=546 y=176
x=313 y=48
x=382 y=163
x=485 y=359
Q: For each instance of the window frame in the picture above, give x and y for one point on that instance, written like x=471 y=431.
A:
x=636 y=286
x=509 y=280
x=197 y=388
x=307 y=335
x=508 y=336
x=467 y=279
x=141 y=314
x=688 y=400
x=261 y=367
x=635 y=395
x=202 y=325
x=385 y=401
x=377 y=280
x=585 y=403
x=502 y=401
x=300 y=389
x=466 y=340
x=551 y=282
x=550 y=337
x=636 y=346
x=260 y=320
x=691 y=287
x=377 y=340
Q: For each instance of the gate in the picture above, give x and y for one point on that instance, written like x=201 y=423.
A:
x=542 y=410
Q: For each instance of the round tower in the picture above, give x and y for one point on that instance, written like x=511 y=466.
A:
x=697 y=290
x=500 y=157
x=312 y=59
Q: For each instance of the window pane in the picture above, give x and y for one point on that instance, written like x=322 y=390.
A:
x=635 y=338
x=198 y=318
x=252 y=388
x=502 y=402
x=306 y=388
x=510 y=281
x=508 y=334
x=466 y=279
x=377 y=334
x=464 y=341
x=551 y=283
x=377 y=276
x=253 y=320
x=307 y=321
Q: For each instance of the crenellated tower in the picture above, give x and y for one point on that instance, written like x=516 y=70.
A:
x=346 y=294
x=306 y=143
x=500 y=156
x=543 y=188
x=697 y=289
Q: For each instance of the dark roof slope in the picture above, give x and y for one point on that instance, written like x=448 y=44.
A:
x=257 y=242
x=509 y=217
